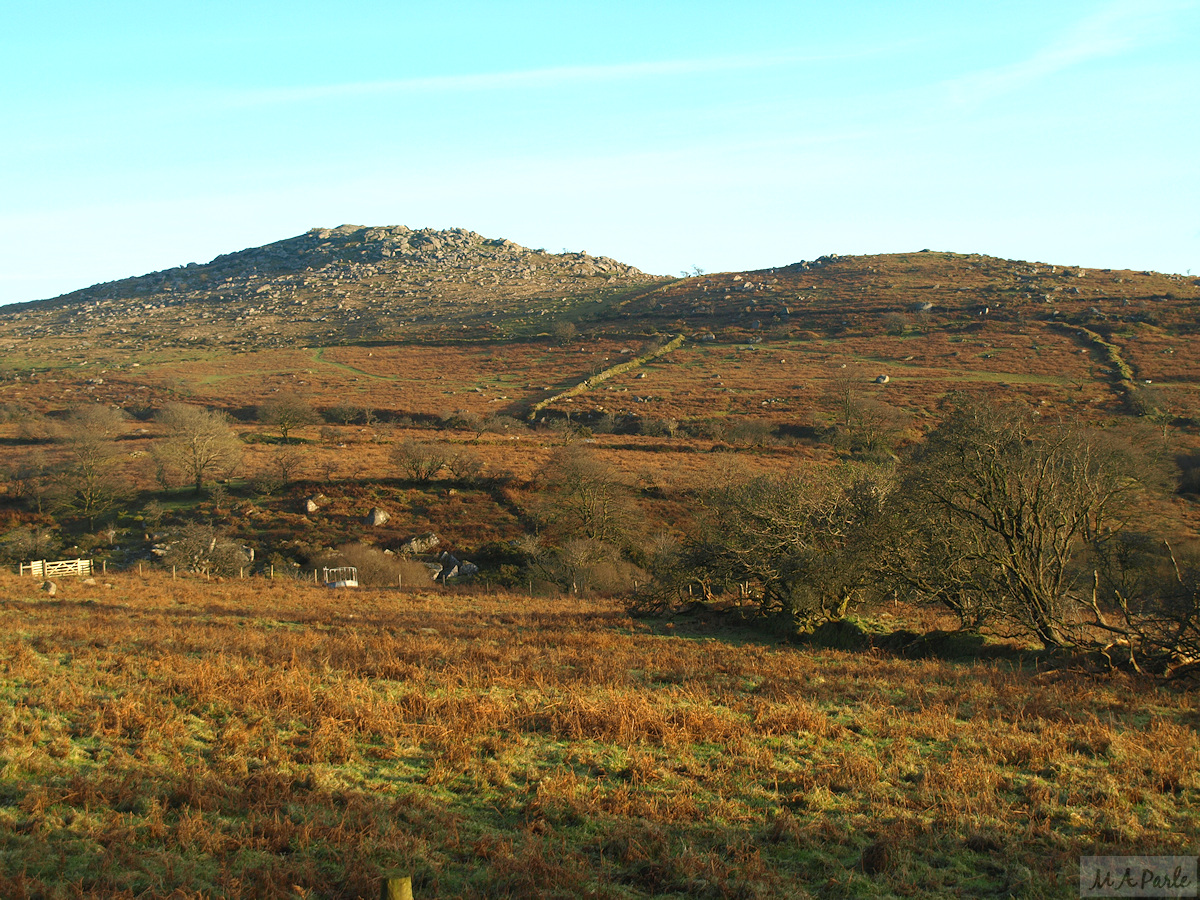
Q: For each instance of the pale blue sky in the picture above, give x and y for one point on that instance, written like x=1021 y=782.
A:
x=139 y=136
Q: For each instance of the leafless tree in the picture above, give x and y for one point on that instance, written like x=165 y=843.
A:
x=419 y=460
x=86 y=484
x=1000 y=504
x=585 y=497
x=198 y=442
x=465 y=465
x=285 y=412
x=797 y=540
x=288 y=462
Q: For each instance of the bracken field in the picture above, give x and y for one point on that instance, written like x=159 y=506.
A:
x=267 y=738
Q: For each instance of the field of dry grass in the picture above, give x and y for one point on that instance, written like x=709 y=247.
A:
x=255 y=738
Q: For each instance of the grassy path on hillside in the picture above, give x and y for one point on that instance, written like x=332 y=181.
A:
x=319 y=356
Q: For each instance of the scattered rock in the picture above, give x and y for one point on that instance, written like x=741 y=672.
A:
x=882 y=379
x=421 y=543
x=377 y=517
x=50 y=587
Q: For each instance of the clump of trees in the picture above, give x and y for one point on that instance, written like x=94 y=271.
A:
x=1003 y=519
x=205 y=550
x=798 y=540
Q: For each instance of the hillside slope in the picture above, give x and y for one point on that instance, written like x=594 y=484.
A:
x=421 y=322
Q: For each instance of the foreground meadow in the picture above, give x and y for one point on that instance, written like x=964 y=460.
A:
x=251 y=738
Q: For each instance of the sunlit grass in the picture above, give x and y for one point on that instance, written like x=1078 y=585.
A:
x=242 y=737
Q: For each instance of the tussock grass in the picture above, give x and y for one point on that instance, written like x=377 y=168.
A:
x=272 y=739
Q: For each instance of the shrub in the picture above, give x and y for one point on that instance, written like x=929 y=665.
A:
x=203 y=549
x=28 y=542
x=375 y=567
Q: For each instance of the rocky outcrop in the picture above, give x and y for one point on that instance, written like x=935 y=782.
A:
x=351 y=282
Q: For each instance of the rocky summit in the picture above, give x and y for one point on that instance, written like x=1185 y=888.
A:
x=330 y=285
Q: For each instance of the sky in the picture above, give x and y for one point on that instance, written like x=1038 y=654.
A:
x=669 y=135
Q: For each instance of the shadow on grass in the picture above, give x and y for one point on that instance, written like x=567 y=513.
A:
x=745 y=624
x=949 y=646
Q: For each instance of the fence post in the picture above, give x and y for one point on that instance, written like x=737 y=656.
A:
x=396 y=889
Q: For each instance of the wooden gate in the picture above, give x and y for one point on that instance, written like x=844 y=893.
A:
x=40 y=568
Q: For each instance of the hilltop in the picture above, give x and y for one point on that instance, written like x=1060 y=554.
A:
x=355 y=284
x=334 y=285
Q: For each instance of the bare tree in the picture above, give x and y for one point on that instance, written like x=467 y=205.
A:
x=28 y=542
x=198 y=442
x=798 y=540
x=285 y=412
x=466 y=465
x=345 y=413
x=31 y=480
x=584 y=497
x=86 y=483
x=419 y=460
x=288 y=462
x=1013 y=504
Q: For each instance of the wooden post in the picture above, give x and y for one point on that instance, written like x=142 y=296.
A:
x=104 y=567
x=139 y=568
x=272 y=571
x=396 y=889
x=172 y=571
